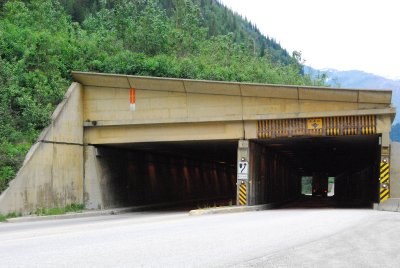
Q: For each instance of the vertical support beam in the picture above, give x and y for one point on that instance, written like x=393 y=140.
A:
x=248 y=173
x=395 y=170
x=383 y=126
x=255 y=174
x=92 y=189
x=384 y=168
x=243 y=157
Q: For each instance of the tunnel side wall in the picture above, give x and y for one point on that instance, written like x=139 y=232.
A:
x=120 y=178
x=274 y=180
x=357 y=188
x=52 y=173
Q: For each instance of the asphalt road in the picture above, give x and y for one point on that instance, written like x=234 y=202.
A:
x=275 y=238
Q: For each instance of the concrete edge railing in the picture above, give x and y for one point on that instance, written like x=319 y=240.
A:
x=392 y=204
x=232 y=209
x=108 y=211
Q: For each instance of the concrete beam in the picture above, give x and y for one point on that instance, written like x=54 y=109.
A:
x=164 y=132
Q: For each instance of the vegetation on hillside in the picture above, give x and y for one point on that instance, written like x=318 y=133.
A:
x=41 y=41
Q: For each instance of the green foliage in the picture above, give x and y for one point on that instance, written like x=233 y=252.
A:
x=41 y=41
x=306 y=185
x=59 y=210
x=9 y=216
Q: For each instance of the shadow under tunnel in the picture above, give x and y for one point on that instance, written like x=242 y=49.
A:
x=188 y=174
x=349 y=163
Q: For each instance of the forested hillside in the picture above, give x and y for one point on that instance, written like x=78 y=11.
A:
x=41 y=41
x=216 y=18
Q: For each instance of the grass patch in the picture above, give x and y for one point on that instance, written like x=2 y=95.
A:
x=46 y=211
x=59 y=211
x=9 y=215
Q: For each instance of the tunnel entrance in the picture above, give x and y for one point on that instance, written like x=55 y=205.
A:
x=340 y=171
x=308 y=171
x=188 y=173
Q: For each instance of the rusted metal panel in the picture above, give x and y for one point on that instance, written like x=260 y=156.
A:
x=326 y=126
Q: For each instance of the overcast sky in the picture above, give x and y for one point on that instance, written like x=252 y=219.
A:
x=342 y=34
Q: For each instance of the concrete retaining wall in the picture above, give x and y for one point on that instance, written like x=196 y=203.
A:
x=52 y=173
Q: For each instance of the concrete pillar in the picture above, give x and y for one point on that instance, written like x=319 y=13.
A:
x=395 y=170
x=249 y=164
x=383 y=126
x=92 y=188
x=256 y=171
x=385 y=158
x=243 y=157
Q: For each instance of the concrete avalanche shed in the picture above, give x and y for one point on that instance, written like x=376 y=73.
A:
x=120 y=140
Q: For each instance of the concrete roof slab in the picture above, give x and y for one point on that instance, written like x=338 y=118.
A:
x=327 y=94
x=156 y=84
x=267 y=91
x=234 y=89
x=369 y=96
x=104 y=80
x=215 y=88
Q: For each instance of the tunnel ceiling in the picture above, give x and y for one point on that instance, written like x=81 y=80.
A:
x=333 y=155
x=213 y=150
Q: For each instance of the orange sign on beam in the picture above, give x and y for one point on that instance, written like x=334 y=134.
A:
x=132 y=102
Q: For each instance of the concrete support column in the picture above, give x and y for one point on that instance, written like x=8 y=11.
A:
x=243 y=192
x=256 y=181
x=92 y=188
x=248 y=174
x=385 y=146
x=395 y=170
x=385 y=184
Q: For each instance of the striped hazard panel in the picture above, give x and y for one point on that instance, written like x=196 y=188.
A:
x=384 y=191
x=243 y=194
x=323 y=126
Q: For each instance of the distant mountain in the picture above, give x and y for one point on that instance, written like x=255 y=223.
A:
x=363 y=80
x=360 y=79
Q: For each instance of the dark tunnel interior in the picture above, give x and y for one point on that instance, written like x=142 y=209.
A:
x=352 y=162
x=192 y=173
x=203 y=173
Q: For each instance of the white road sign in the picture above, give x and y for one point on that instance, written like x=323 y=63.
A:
x=243 y=170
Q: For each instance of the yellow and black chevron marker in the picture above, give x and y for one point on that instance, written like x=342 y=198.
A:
x=384 y=191
x=243 y=194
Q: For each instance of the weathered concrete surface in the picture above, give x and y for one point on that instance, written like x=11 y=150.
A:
x=395 y=170
x=230 y=209
x=393 y=203
x=200 y=110
x=52 y=173
x=165 y=132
